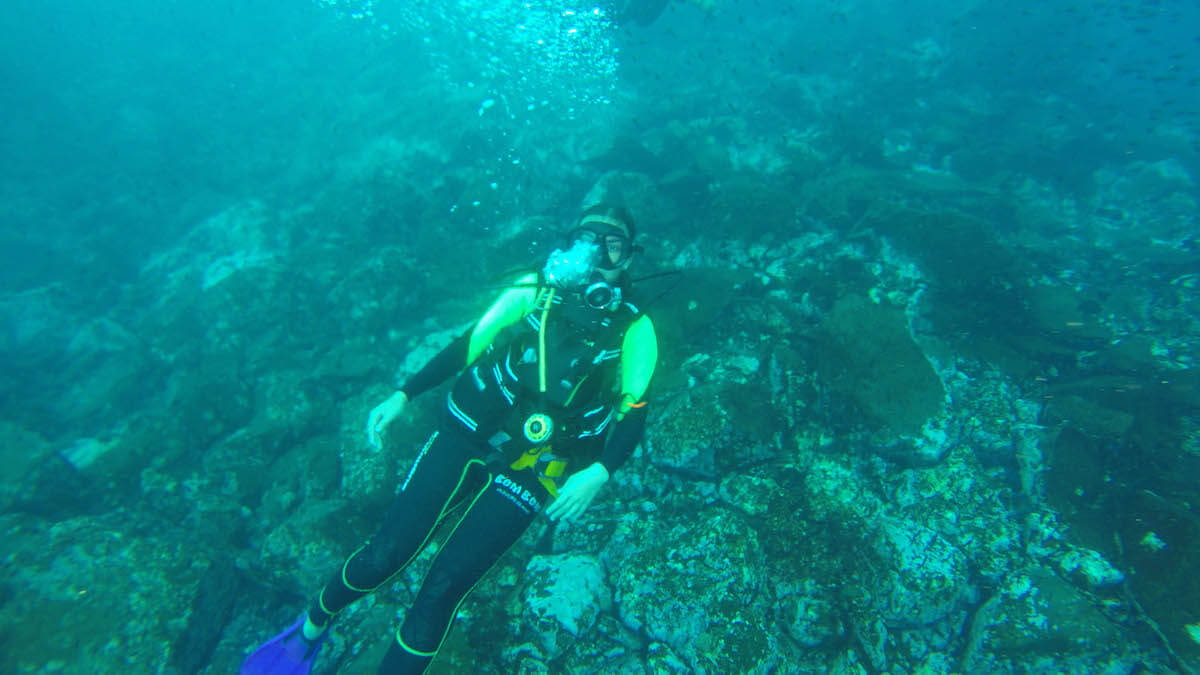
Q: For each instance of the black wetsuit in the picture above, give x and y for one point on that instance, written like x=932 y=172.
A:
x=463 y=477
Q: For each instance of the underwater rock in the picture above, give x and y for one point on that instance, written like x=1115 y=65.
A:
x=299 y=553
x=107 y=370
x=1089 y=567
x=807 y=613
x=97 y=593
x=754 y=206
x=243 y=236
x=216 y=594
x=564 y=594
x=747 y=493
x=1161 y=536
x=868 y=355
x=211 y=401
x=21 y=451
x=969 y=510
x=86 y=475
x=612 y=644
x=70 y=371
x=34 y=327
x=708 y=431
x=928 y=575
x=937 y=438
x=309 y=470
x=694 y=583
x=354 y=362
x=1066 y=318
x=693 y=310
x=638 y=192
x=290 y=408
x=1088 y=415
x=834 y=491
x=660 y=658
x=1036 y=617
x=1145 y=207
x=689 y=431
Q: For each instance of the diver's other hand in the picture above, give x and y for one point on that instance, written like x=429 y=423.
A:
x=578 y=492
x=381 y=416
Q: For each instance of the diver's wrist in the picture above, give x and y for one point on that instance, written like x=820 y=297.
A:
x=600 y=470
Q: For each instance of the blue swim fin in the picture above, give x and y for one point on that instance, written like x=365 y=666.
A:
x=285 y=654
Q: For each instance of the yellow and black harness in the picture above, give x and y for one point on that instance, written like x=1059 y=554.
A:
x=578 y=372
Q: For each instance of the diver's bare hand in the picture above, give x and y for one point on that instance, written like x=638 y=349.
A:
x=381 y=416
x=578 y=492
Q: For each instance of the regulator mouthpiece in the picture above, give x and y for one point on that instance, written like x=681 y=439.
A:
x=573 y=267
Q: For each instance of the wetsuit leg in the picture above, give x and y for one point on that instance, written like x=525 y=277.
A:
x=489 y=526
x=447 y=471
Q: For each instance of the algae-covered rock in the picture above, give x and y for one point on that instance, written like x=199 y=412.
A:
x=301 y=552
x=106 y=370
x=694 y=583
x=692 y=308
x=564 y=594
x=1088 y=568
x=1162 y=554
x=928 y=574
x=754 y=207
x=938 y=436
x=210 y=400
x=748 y=493
x=638 y=192
x=1091 y=417
x=689 y=432
x=815 y=525
x=808 y=612
x=309 y=470
x=69 y=372
x=1039 y=618
x=955 y=500
x=834 y=491
x=869 y=356
x=710 y=430
x=21 y=451
x=1068 y=316
x=610 y=644
x=85 y=595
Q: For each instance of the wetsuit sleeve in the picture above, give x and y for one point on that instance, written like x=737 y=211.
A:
x=509 y=308
x=639 y=355
x=440 y=368
x=623 y=439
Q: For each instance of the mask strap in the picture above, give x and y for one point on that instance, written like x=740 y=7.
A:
x=605 y=220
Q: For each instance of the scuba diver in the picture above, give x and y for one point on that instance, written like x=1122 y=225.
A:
x=547 y=404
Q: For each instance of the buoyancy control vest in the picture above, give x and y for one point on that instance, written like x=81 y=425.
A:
x=549 y=380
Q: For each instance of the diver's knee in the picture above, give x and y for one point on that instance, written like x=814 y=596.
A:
x=402 y=658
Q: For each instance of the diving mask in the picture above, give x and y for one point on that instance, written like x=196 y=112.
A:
x=612 y=241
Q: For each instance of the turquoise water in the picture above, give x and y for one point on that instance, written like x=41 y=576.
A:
x=938 y=292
